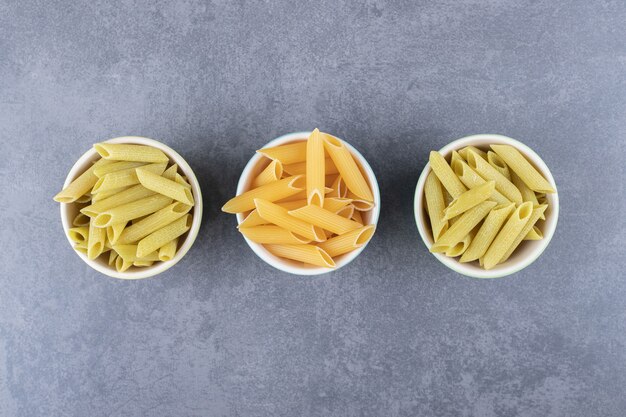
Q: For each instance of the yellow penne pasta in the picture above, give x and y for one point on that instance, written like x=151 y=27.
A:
x=299 y=168
x=506 y=236
x=182 y=181
x=252 y=219
x=131 y=253
x=271 y=192
x=126 y=152
x=79 y=234
x=455 y=157
x=487 y=232
x=488 y=172
x=325 y=219
x=347 y=167
x=338 y=189
x=287 y=154
x=460 y=247
x=168 y=251
x=82 y=248
x=80 y=186
x=143 y=263
x=446 y=176
x=520 y=165
x=348 y=242
x=469 y=199
x=527 y=193
x=347 y=212
x=273 y=172
x=84 y=198
x=124 y=178
x=356 y=216
x=471 y=179
x=279 y=216
x=272 y=234
x=80 y=220
x=333 y=204
x=534 y=234
x=308 y=254
x=165 y=187
x=122 y=265
x=95 y=242
x=435 y=203
x=463 y=226
x=499 y=164
x=155 y=240
x=114 y=231
x=537 y=213
x=315 y=169
x=171 y=172
x=153 y=222
x=112 y=257
x=359 y=203
x=129 y=195
x=132 y=210
x=481 y=153
x=102 y=195
x=101 y=171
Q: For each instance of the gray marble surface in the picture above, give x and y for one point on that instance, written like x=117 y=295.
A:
x=393 y=334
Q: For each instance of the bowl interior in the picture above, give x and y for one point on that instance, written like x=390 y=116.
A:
x=528 y=250
x=70 y=211
x=254 y=168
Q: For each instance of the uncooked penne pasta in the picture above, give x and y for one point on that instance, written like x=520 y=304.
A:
x=287 y=154
x=487 y=232
x=124 y=178
x=271 y=192
x=520 y=165
x=102 y=195
x=131 y=253
x=114 y=231
x=436 y=205
x=279 y=216
x=356 y=216
x=347 y=167
x=167 y=251
x=469 y=199
x=471 y=179
x=527 y=193
x=84 y=198
x=81 y=220
x=488 y=172
x=171 y=173
x=348 y=242
x=153 y=222
x=127 y=212
x=534 y=234
x=299 y=168
x=95 y=241
x=79 y=235
x=359 y=203
x=80 y=186
x=446 y=176
x=126 y=152
x=155 y=240
x=460 y=247
x=338 y=188
x=165 y=187
x=272 y=234
x=481 y=153
x=300 y=195
x=121 y=264
x=500 y=166
x=461 y=228
x=273 y=172
x=101 y=171
x=252 y=219
x=315 y=169
x=332 y=204
x=455 y=157
x=182 y=181
x=129 y=195
x=505 y=238
x=537 y=213
x=347 y=212
x=325 y=219
x=112 y=257
x=308 y=254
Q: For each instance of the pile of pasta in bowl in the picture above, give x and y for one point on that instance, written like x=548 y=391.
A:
x=133 y=206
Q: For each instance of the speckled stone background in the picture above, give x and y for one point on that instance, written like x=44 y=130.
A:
x=393 y=334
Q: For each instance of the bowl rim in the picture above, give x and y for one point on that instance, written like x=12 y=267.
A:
x=158 y=267
x=277 y=262
x=504 y=269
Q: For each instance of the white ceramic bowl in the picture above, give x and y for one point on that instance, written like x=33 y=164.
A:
x=69 y=211
x=258 y=163
x=527 y=251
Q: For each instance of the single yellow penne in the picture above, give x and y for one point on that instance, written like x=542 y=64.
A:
x=359 y=203
x=102 y=195
x=112 y=257
x=460 y=247
x=333 y=204
x=469 y=199
x=279 y=216
x=315 y=169
x=79 y=235
x=132 y=210
x=499 y=164
x=538 y=212
x=272 y=234
x=129 y=195
x=338 y=188
x=122 y=265
x=527 y=193
x=488 y=172
x=308 y=254
x=165 y=187
x=171 y=172
x=481 y=153
x=126 y=152
x=446 y=176
x=84 y=198
x=506 y=236
x=95 y=242
x=182 y=181
x=534 y=234
x=153 y=222
x=436 y=205
x=347 y=212
x=325 y=219
x=461 y=228
x=101 y=171
x=81 y=248
x=131 y=253
x=81 y=185
x=471 y=179
x=124 y=178
x=81 y=220
x=520 y=165
x=114 y=231
x=455 y=157
x=299 y=168
x=155 y=240
x=348 y=169
x=143 y=263
x=487 y=232
x=253 y=219
x=273 y=172
x=271 y=192
x=168 y=251
x=287 y=154
x=347 y=242
x=356 y=216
